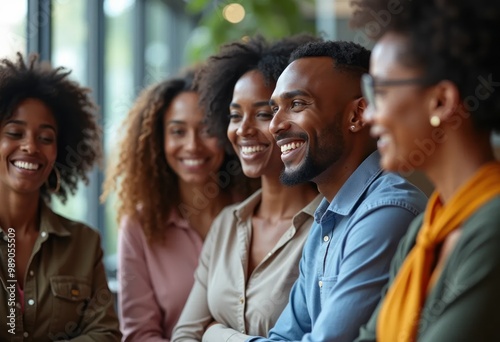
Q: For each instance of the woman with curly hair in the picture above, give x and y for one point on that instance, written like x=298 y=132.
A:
x=54 y=283
x=250 y=259
x=173 y=177
x=433 y=103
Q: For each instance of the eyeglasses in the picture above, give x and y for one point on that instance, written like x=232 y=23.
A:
x=368 y=84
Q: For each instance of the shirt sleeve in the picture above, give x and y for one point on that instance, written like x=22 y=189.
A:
x=141 y=317
x=196 y=316
x=222 y=333
x=351 y=299
x=99 y=321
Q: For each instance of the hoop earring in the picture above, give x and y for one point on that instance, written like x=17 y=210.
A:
x=58 y=183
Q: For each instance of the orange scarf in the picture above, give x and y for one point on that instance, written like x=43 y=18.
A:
x=400 y=312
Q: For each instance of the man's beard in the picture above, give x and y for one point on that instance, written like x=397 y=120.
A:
x=315 y=163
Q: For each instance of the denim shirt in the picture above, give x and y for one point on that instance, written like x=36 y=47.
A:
x=345 y=261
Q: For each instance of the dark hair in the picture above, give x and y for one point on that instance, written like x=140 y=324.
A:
x=449 y=40
x=147 y=186
x=347 y=56
x=78 y=136
x=221 y=72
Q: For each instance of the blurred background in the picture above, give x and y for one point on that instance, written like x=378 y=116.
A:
x=117 y=47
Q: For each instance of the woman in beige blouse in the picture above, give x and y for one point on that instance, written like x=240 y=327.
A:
x=250 y=259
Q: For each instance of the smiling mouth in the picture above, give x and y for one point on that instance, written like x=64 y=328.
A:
x=252 y=149
x=27 y=165
x=193 y=162
x=287 y=148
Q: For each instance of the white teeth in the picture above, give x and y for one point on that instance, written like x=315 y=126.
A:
x=26 y=165
x=252 y=149
x=291 y=146
x=193 y=162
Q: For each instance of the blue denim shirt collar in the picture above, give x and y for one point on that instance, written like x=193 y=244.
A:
x=349 y=194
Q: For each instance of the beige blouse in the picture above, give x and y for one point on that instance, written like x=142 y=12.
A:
x=223 y=291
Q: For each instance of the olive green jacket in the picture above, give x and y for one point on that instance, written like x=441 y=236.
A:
x=464 y=303
x=66 y=296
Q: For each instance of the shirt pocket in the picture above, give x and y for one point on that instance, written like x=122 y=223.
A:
x=70 y=297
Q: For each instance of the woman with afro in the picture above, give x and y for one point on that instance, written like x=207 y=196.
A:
x=53 y=281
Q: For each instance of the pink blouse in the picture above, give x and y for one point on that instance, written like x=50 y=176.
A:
x=155 y=279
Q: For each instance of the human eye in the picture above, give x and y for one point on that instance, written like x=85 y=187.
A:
x=176 y=131
x=206 y=132
x=13 y=134
x=265 y=115
x=47 y=139
x=297 y=104
x=234 y=117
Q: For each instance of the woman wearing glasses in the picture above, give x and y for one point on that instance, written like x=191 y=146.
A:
x=433 y=94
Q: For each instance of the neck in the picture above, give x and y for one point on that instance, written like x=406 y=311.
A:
x=283 y=202
x=333 y=178
x=19 y=212
x=456 y=161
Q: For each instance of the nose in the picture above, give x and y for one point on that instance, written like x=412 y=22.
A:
x=29 y=145
x=246 y=127
x=277 y=123
x=192 y=142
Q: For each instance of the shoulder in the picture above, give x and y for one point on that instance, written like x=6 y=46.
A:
x=391 y=189
x=480 y=231
x=77 y=230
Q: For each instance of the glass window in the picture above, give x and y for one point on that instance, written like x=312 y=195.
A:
x=69 y=49
x=13 y=27
x=118 y=91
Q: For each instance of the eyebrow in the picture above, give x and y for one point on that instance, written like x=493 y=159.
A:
x=256 y=104
x=175 y=122
x=23 y=123
x=289 y=95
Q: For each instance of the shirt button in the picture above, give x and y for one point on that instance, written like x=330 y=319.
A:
x=320 y=283
x=326 y=238
x=32 y=273
x=31 y=302
x=44 y=234
x=269 y=254
x=25 y=334
x=242 y=300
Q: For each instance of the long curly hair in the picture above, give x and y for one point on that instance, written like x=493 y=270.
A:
x=216 y=80
x=146 y=185
x=449 y=40
x=79 y=135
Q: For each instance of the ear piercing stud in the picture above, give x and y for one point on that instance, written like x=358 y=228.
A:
x=435 y=121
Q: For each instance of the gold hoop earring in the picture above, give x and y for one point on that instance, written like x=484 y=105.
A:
x=58 y=182
x=435 y=121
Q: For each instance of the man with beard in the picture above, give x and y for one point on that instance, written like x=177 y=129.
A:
x=318 y=124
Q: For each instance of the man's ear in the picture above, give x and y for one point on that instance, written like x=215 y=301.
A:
x=357 y=108
x=445 y=99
